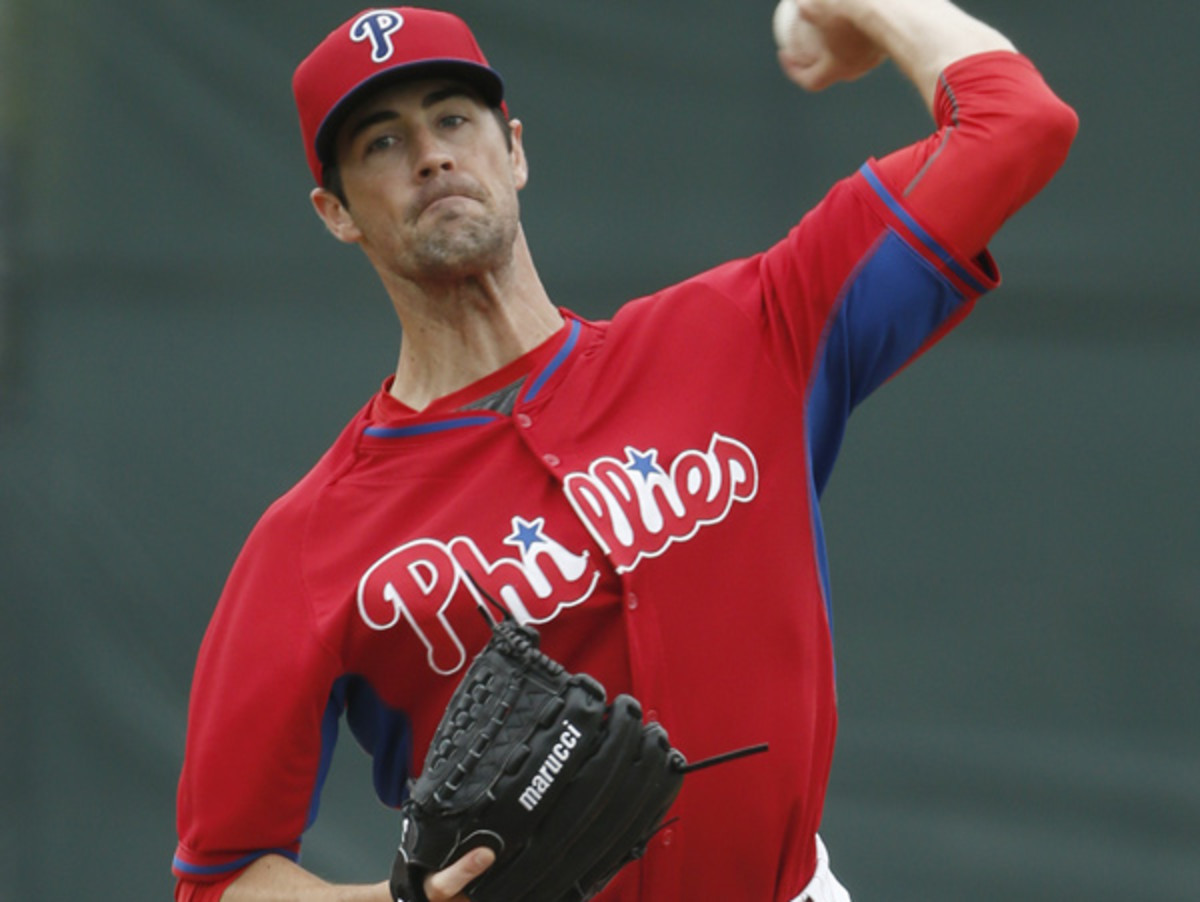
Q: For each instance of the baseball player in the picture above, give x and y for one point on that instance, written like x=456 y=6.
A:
x=645 y=490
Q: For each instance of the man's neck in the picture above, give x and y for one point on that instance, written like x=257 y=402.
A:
x=454 y=334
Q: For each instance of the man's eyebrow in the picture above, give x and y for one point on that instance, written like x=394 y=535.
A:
x=433 y=98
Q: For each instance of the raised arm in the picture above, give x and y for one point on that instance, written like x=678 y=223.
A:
x=1001 y=132
x=840 y=40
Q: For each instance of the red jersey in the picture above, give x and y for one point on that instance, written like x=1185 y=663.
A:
x=651 y=503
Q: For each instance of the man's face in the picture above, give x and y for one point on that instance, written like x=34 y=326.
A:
x=430 y=182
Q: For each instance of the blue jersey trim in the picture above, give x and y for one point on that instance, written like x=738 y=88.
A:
x=818 y=531
x=329 y=737
x=237 y=864
x=905 y=217
x=563 y=353
x=385 y=733
x=896 y=301
x=427 y=428
x=430 y=428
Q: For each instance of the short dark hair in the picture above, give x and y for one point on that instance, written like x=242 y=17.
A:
x=331 y=176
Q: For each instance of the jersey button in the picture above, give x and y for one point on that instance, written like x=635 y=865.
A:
x=551 y=460
x=631 y=601
x=668 y=836
x=524 y=420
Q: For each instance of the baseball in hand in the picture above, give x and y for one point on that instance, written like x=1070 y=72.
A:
x=793 y=35
x=822 y=46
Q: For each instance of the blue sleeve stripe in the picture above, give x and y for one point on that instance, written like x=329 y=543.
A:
x=897 y=301
x=196 y=870
x=563 y=353
x=385 y=733
x=822 y=558
x=428 y=428
x=940 y=253
x=329 y=738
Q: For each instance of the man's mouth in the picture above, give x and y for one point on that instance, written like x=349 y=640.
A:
x=446 y=200
x=446 y=196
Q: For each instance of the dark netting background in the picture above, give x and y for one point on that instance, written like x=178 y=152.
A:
x=1014 y=527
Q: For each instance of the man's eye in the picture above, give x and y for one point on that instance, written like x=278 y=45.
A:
x=453 y=120
x=383 y=142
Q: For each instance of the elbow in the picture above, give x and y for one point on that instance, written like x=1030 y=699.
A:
x=1046 y=129
x=1056 y=125
x=1030 y=147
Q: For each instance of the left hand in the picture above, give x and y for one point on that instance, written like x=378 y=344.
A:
x=447 y=885
x=827 y=47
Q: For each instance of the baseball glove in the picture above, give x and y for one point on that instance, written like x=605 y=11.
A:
x=531 y=761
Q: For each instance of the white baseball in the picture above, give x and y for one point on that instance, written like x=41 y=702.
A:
x=793 y=35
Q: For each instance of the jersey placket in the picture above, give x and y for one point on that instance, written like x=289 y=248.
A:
x=660 y=872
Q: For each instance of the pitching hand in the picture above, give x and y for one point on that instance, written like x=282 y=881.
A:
x=823 y=45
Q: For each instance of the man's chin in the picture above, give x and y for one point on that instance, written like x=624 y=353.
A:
x=459 y=263
x=462 y=251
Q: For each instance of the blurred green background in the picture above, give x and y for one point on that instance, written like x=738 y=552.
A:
x=1014 y=526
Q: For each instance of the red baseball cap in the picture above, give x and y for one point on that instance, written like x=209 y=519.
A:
x=376 y=45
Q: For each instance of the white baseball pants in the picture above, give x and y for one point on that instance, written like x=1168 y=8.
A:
x=823 y=887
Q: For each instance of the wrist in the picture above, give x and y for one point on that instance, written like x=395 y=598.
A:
x=852 y=12
x=922 y=37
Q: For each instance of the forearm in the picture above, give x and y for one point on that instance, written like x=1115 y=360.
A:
x=273 y=878
x=922 y=37
x=276 y=879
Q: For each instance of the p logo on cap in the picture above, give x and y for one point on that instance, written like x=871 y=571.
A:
x=377 y=27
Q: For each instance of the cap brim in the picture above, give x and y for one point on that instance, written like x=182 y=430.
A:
x=486 y=81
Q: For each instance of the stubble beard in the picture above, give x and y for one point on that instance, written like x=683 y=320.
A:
x=461 y=247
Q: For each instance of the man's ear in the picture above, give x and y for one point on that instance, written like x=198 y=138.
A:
x=520 y=163
x=335 y=215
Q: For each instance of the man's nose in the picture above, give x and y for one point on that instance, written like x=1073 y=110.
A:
x=433 y=157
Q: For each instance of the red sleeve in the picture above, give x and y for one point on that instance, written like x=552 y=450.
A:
x=1002 y=134
x=257 y=743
